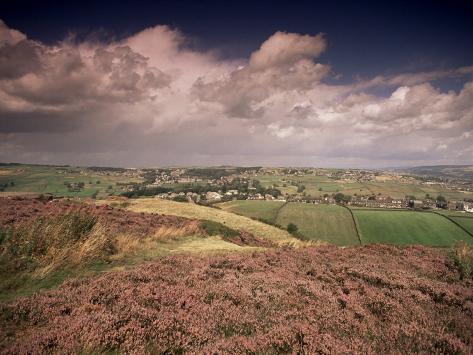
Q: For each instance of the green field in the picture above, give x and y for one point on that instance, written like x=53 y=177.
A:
x=465 y=222
x=50 y=179
x=265 y=210
x=328 y=223
x=319 y=185
x=407 y=227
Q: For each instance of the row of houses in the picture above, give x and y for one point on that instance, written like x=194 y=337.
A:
x=388 y=202
x=212 y=196
x=356 y=201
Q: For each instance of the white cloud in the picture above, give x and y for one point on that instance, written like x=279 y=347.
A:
x=149 y=100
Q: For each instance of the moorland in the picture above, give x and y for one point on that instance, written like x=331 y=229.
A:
x=226 y=259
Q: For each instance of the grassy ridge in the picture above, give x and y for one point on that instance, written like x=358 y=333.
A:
x=232 y=220
x=407 y=227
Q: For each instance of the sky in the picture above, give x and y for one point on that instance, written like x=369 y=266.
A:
x=304 y=83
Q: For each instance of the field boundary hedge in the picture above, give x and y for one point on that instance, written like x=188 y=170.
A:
x=454 y=222
x=455 y=216
x=279 y=210
x=355 y=223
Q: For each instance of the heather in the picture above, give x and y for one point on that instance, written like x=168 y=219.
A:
x=369 y=299
x=43 y=243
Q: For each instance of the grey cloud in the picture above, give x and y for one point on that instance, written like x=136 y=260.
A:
x=283 y=62
x=19 y=59
x=149 y=100
x=9 y=36
x=36 y=122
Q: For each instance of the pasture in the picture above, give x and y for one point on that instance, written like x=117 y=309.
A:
x=465 y=221
x=320 y=185
x=54 y=180
x=266 y=210
x=328 y=223
x=407 y=227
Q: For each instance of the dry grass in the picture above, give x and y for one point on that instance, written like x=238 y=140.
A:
x=462 y=256
x=126 y=245
x=152 y=205
x=96 y=246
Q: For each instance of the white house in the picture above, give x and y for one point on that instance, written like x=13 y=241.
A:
x=468 y=206
x=213 y=196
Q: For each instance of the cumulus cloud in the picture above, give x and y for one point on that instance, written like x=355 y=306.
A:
x=151 y=100
x=284 y=62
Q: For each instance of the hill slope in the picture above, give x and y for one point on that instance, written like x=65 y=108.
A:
x=189 y=210
x=371 y=299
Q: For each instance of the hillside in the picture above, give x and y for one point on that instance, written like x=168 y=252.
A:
x=44 y=243
x=189 y=210
x=372 y=299
x=445 y=171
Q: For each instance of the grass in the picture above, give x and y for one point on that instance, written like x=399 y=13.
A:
x=47 y=251
x=462 y=257
x=407 y=227
x=50 y=179
x=329 y=223
x=262 y=210
x=319 y=185
x=465 y=222
x=229 y=219
x=26 y=283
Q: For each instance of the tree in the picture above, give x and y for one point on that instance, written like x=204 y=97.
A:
x=339 y=197
x=441 y=198
x=292 y=228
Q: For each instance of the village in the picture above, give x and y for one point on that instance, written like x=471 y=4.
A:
x=387 y=202
x=212 y=185
x=246 y=186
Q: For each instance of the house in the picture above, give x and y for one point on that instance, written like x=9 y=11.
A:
x=257 y=196
x=213 y=196
x=468 y=206
x=231 y=193
x=455 y=205
x=398 y=203
x=429 y=204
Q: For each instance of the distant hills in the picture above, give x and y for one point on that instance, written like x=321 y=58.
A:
x=442 y=171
